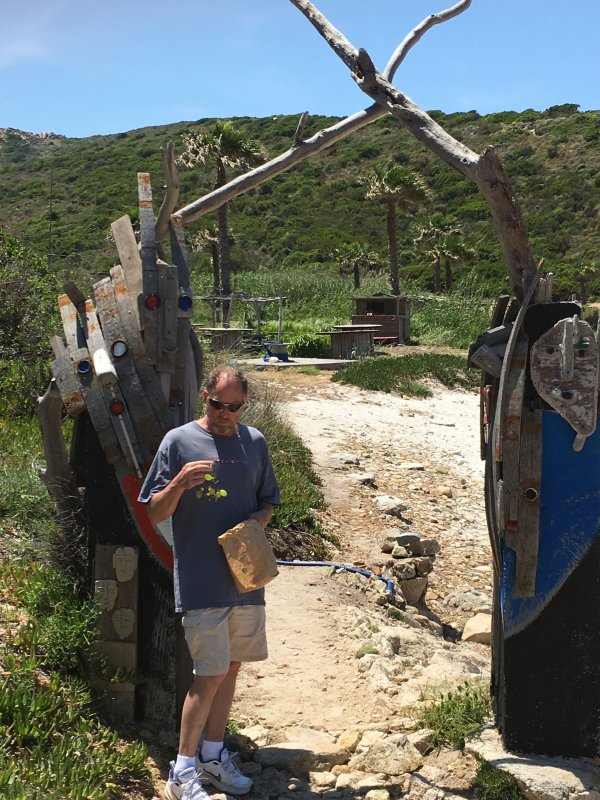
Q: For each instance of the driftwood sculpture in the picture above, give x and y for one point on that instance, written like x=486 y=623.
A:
x=130 y=370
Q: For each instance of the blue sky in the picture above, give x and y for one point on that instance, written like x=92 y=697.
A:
x=84 y=67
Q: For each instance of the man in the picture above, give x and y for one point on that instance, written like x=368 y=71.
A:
x=223 y=627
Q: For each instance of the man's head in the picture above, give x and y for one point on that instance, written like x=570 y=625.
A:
x=225 y=394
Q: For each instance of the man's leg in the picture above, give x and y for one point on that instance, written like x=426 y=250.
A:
x=216 y=722
x=196 y=710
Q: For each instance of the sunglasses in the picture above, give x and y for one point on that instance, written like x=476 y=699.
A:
x=218 y=405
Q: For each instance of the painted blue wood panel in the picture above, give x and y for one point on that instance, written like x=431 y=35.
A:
x=569 y=520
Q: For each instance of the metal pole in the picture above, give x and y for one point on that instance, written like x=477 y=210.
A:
x=280 y=323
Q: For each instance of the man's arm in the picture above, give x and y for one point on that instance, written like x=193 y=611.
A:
x=163 y=503
x=263 y=514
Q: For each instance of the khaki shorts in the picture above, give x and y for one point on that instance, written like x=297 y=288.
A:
x=217 y=636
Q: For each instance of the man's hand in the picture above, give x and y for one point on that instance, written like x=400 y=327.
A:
x=163 y=504
x=192 y=474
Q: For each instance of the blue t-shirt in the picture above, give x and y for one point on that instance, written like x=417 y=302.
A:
x=243 y=468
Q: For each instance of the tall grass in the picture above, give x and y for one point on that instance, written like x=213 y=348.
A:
x=453 y=320
x=316 y=297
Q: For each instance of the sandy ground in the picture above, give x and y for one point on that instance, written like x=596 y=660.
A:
x=312 y=677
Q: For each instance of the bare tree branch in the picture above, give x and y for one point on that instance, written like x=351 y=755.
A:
x=487 y=172
x=300 y=129
x=320 y=141
x=171 y=197
x=417 y=34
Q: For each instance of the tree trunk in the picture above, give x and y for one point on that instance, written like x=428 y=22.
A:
x=393 y=247
x=356 y=273
x=448 y=275
x=216 y=268
x=437 y=277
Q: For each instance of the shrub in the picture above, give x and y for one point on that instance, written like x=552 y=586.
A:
x=309 y=346
x=494 y=784
x=457 y=715
x=403 y=375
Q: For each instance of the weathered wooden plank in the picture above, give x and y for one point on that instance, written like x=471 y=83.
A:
x=151 y=300
x=511 y=434
x=66 y=381
x=68 y=314
x=506 y=361
x=180 y=256
x=179 y=408
x=113 y=398
x=102 y=401
x=145 y=370
x=168 y=293
x=148 y=426
x=129 y=256
x=530 y=475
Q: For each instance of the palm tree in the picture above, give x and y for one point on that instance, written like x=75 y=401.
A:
x=355 y=258
x=226 y=148
x=444 y=243
x=397 y=187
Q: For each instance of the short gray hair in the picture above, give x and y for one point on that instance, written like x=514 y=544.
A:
x=225 y=369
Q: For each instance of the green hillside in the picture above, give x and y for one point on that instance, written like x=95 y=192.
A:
x=301 y=217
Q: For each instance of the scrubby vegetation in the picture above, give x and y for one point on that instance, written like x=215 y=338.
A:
x=300 y=218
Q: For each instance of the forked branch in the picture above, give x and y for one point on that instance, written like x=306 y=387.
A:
x=486 y=171
x=303 y=149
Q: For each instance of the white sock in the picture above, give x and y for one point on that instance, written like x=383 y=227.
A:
x=210 y=751
x=183 y=763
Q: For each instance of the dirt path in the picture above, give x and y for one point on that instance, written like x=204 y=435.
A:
x=423 y=451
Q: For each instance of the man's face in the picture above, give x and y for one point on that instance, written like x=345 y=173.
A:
x=223 y=421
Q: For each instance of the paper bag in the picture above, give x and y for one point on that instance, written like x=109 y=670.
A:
x=249 y=555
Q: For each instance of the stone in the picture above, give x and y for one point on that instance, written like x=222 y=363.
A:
x=423 y=565
x=478 y=629
x=421 y=740
x=322 y=780
x=389 y=543
x=413 y=590
x=443 y=491
x=412 y=465
x=390 y=505
x=431 y=547
x=539 y=777
x=378 y=794
x=364 y=478
x=468 y=600
x=295 y=757
x=349 y=739
x=407 y=538
x=394 y=755
x=347 y=458
x=399 y=552
x=404 y=571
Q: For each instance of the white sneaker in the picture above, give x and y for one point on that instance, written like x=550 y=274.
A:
x=224 y=774
x=186 y=786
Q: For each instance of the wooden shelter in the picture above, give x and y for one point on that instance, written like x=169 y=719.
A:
x=389 y=311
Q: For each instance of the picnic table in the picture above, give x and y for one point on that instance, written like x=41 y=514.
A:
x=352 y=341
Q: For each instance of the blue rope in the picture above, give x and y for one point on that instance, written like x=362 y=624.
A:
x=389 y=585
